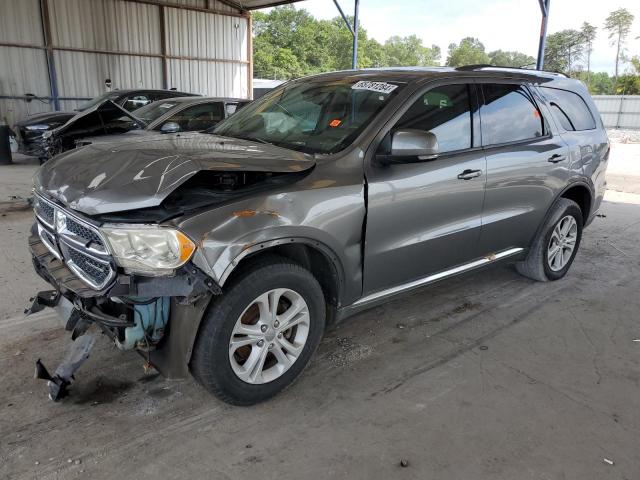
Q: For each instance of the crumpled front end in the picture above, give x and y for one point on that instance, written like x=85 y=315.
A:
x=91 y=291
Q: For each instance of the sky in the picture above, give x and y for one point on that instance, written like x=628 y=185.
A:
x=499 y=24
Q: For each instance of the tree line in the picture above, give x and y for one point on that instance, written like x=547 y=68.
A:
x=289 y=43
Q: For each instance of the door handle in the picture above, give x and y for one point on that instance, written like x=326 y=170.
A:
x=469 y=174
x=556 y=157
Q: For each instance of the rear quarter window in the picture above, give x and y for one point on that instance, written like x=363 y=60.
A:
x=569 y=109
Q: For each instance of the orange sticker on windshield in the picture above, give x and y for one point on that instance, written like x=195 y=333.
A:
x=536 y=113
x=335 y=123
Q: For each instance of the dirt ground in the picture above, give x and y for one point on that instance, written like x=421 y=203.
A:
x=485 y=376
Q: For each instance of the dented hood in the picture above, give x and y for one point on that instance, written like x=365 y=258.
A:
x=128 y=175
x=95 y=118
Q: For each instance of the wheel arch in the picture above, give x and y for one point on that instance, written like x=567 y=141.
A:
x=313 y=255
x=580 y=193
x=577 y=189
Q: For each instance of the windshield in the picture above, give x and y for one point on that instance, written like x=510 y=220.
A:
x=97 y=100
x=312 y=117
x=153 y=111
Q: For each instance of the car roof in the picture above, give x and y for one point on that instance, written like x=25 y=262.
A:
x=126 y=91
x=203 y=99
x=411 y=74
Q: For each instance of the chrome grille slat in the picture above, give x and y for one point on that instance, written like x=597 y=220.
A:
x=76 y=242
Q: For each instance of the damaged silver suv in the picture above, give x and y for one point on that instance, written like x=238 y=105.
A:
x=224 y=255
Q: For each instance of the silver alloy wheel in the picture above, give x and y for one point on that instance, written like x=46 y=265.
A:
x=562 y=243
x=269 y=336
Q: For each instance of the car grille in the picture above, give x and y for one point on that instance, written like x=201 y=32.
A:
x=75 y=242
x=85 y=233
x=46 y=211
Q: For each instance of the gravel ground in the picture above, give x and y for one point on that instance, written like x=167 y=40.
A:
x=484 y=376
x=624 y=136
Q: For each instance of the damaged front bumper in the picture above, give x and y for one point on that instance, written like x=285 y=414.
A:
x=157 y=316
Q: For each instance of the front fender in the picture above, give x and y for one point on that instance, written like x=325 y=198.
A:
x=329 y=219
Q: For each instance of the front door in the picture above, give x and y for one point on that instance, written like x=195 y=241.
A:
x=425 y=216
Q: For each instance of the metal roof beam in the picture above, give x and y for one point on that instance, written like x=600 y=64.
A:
x=544 y=9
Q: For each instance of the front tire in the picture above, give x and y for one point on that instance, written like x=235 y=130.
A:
x=556 y=245
x=259 y=336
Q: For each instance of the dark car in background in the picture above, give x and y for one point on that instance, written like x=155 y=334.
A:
x=30 y=130
x=184 y=114
x=105 y=120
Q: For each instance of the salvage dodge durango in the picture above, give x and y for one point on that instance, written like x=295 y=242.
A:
x=224 y=255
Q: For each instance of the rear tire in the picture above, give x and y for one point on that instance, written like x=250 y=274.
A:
x=244 y=354
x=552 y=252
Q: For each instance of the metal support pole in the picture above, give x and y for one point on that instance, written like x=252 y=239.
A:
x=51 y=65
x=544 y=8
x=354 y=63
x=163 y=48
x=344 y=17
x=352 y=28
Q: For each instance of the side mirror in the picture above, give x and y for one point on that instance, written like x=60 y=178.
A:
x=170 y=127
x=413 y=145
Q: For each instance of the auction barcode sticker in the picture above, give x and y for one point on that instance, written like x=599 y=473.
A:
x=381 y=87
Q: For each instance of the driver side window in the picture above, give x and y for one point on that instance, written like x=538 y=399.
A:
x=444 y=111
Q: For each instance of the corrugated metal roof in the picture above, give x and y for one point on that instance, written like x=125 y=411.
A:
x=255 y=4
x=206 y=35
x=105 y=25
x=208 y=4
x=23 y=70
x=20 y=23
x=217 y=43
x=214 y=79
x=83 y=74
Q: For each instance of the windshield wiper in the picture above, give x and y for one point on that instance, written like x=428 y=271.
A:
x=245 y=137
x=257 y=139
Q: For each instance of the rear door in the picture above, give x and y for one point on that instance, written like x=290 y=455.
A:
x=424 y=217
x=527 y=164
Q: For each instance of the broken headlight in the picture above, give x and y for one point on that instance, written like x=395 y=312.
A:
x=148 y=250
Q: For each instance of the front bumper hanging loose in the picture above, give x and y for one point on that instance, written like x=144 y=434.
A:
x=186 y=293
x=59 y=382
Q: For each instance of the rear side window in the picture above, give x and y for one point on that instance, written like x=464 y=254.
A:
x=569 y=109
x=445 y=111
x=509 y=114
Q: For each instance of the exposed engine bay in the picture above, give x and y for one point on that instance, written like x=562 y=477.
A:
x=204 y=189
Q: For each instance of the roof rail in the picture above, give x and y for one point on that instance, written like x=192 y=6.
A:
x=481 y=66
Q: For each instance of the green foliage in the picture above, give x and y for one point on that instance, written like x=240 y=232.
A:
x=598 y=83
x=290 y=43
x=511 y=59
x=470 y=51
x=589 y=33
x=618 y=24
x=563 y=50
x=628 y=84
x=409 y=50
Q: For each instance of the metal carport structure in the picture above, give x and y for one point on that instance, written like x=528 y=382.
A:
x=247 y=5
